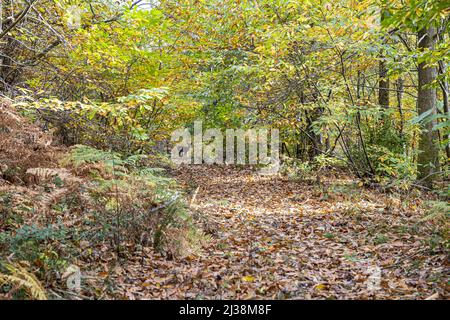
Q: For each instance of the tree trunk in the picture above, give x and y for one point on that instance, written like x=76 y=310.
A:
x=399 y=88
x=445 y=93
x=383 y=82
x=8 y=67
x=444 y=88
x=427 y=161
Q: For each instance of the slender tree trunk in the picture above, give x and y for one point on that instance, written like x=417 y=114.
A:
x=445 y=93
x=383 y=82
x=358 y=86
x=399 y=87
x=8 y=71
x=445 y=89
x=8 y=68
x=427 y=160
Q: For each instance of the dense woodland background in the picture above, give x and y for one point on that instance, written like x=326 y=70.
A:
x=91 y=91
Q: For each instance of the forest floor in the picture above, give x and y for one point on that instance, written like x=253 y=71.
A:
x=273 y=237
x=325 y=236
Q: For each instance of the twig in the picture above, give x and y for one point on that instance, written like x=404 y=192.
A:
x=194 y=196
x=19 y=18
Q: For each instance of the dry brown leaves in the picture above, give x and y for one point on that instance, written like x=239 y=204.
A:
x=22 y=146
x=271 y=237
x=280 y=239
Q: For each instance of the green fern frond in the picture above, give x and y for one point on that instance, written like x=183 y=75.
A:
x=19 y=277
x=439 y=210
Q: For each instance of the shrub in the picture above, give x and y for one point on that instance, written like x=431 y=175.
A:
x=134 y=204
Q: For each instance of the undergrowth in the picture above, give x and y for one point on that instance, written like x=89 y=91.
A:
x=79 y=204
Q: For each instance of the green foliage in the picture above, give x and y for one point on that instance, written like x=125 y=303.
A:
x=441 y=120
x=46 y=247
x=415 y=14
x=324 y=161
x=131 y=201
x=134 y=123
x=296 y=169
x=310 y=69
x=437 y=211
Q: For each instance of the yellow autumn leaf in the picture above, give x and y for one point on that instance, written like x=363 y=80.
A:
x=320 y=286
x=248 y=278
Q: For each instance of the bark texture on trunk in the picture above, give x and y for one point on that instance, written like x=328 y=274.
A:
x=427 y=161
x=383 y=82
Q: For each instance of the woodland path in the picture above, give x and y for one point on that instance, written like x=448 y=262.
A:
x=276 y=238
